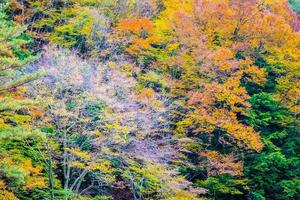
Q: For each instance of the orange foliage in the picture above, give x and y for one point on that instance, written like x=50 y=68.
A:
x=208 y=40
x=33 y=175
x=146 y=95
x=137 y=34
x=222 y=164
x=217 y=108
x=36 y=111
x=140 y=45
x=23 y=12
x=33 y=180
x=135 y=26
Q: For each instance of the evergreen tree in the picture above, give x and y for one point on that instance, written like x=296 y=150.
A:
x=20 y=169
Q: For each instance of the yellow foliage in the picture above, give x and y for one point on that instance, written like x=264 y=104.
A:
x=6 y=195
x=146 y=95
x=32 y=175
x=163 y=24
x=35 y=182
x=2 y=185
x=104 y=166
x=184 y=195
x=80 y=154
x=77 y=164
x=256 y=75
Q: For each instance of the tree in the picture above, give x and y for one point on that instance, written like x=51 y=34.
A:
x=21 y=166
x=13 y=52
x=83 y=25
x=275 y=168
x=149 y=99
x=101 y=122
x=212 y=58
x=295 y=5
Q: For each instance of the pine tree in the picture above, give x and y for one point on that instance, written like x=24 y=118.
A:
x=19 y=155
x=13 y=53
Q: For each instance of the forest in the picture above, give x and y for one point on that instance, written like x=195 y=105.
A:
x=149 y=99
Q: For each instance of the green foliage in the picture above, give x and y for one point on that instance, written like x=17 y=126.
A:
x=273 y=173
x=224 y=187
x=83 y=25
x=267 y=114
x=13 y=55
x=22 y=162
x=295 y=5
x=144 y=180
x=75 y=196
x=21 y=165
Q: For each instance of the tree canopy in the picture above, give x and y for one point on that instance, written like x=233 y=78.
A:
x=149 y=99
